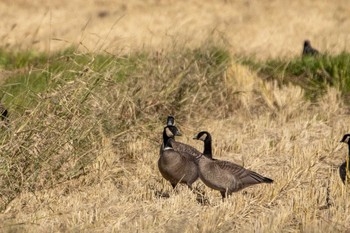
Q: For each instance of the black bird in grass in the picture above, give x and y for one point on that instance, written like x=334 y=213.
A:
x=308 y=50
x=3 y=112
x=344 y=167
x=224 y=176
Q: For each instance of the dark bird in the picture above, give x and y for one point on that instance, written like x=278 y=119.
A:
x=3 y=112
x=308 y=50
x=224 y=176
x=344 y=167
x=174 y=166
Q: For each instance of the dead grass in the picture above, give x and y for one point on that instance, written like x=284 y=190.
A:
x=261 y=28
x=85 y=157
x=82 y=156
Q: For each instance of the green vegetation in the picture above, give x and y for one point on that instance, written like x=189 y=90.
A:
x=35 y=72
x=314 y=74
x=16 y=60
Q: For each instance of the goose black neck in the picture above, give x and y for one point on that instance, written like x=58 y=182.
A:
x=207 y=147
x=166 y=139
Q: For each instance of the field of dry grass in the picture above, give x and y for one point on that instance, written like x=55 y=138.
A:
x=83 y=156
x=267 y=28
x=81 y=152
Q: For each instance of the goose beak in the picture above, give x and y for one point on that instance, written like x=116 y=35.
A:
x=195 y=138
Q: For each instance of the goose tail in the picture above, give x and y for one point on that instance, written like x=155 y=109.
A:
x=267 y=180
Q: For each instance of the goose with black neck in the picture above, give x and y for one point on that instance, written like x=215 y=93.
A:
x=174 y=166
x=224 y=176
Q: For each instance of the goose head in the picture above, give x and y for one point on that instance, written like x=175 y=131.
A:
x=171 y=131
x=307 y=43
x=203 y=136
x=170 y=120
x=206 y=138
x=346 y=139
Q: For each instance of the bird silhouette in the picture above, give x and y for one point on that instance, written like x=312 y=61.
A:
x=308 y=50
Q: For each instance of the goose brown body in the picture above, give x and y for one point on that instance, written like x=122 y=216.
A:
x=224 y=176
x=174 y=166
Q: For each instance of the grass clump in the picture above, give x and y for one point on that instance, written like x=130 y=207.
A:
x=41 y=75
x=65 y=106
x=314 y=74
x=82 y=146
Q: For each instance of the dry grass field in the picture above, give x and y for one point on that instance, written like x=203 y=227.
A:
x=83 y=155
x=266 y=28
x=81 y=151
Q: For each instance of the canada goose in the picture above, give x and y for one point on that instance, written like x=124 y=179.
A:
x=174 y=166
x=344 y=167
x=222 y=175
x=308 y=50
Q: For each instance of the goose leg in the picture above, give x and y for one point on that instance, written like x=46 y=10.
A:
x=223 y=195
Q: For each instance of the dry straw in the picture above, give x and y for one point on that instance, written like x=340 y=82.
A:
x=85 y=157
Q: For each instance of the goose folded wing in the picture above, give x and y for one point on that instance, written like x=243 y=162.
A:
x=184 y=148
x=241 y=175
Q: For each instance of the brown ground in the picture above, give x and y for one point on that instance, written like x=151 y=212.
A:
x=266 y=28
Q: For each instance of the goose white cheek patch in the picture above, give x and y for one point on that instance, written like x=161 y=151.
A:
x=170 y=121
x=203 y=137
x=347 y=139
x=168 y=132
